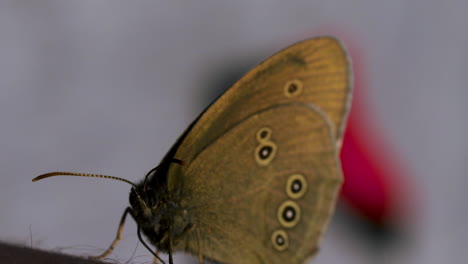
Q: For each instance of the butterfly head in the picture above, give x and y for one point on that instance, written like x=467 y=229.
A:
x=160 y=217
x=143 y=205
x=147 y=198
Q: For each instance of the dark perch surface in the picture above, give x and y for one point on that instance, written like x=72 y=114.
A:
x=22 y=254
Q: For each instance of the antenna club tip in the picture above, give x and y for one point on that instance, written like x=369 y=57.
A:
x=36 y=178
x=42 y=176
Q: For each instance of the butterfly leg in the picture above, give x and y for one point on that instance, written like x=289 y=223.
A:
x=156 y=260
x=170 y=247
x=117 y=238
x=147 y=247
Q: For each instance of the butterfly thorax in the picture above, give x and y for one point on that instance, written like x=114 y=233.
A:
x=160 y=218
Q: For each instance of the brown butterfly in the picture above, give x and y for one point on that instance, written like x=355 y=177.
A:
x=254 y=179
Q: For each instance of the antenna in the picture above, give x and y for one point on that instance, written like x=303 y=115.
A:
x=65 y=173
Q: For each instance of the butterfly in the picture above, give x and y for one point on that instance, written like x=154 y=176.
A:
x=255 y=178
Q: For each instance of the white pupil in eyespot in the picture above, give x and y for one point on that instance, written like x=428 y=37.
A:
x=265 y=152
x=279 y=240
x=289 y=214
x=296 y=186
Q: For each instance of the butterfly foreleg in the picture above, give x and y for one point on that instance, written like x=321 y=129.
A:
x=117 y=238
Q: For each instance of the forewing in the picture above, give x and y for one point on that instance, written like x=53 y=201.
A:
x=315 y=71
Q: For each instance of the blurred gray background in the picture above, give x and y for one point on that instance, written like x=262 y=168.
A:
x=108 y=86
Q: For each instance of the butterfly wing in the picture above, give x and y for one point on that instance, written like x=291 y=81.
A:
x=219 y=180
x=315 y=71
x=264 y=191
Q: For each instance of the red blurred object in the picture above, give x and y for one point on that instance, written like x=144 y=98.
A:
x=370 y=183
x=374 y=184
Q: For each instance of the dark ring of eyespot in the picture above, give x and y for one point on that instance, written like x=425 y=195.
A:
x=280 y=240
x=263 y=134
x=265 y=153
x=289 y=214
x=293 y=88
x=296 y=186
